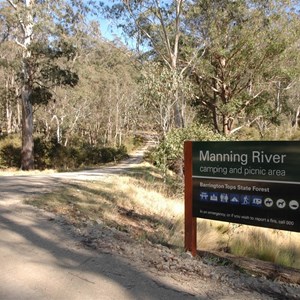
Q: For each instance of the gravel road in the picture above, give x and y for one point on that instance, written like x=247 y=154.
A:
x=43 y=257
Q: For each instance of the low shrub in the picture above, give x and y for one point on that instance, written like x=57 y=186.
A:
x=10 y=151
x=50 y=154
x=169 y=153
x=86 y=155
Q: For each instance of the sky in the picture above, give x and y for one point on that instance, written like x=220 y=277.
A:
x=109 y=29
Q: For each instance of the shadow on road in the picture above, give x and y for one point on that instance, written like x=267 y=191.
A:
x=39 y=260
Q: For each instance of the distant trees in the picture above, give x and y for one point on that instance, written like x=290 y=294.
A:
x=9 y=89
x=228 y=64
x=231 y=51
x=157 y=92
x=156 y=25
x=102 y=108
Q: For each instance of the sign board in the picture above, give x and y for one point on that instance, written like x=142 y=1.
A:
x=254 y=183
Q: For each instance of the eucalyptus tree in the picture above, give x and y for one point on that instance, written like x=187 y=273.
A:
x=157 y=27
x=41 y=30
x=157 y=91
x=243 y=43
x=287 y=84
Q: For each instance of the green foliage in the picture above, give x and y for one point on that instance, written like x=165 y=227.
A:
x=169 y=153
x=59 y=76
x=159 y=87
x=245 y=48
x=42 y=155
x=53 y=155
x=237 y=61
x=248 y=134
x=60 y=49
x=50 y=154
x=296 y=135
x=10 y=151
x=40 y=95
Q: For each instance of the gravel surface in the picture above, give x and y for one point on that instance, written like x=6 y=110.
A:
x=203 y=278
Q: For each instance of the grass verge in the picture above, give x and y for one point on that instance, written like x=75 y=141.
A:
x=141 y=204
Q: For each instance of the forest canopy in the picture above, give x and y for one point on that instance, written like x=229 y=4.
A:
x=228 y=67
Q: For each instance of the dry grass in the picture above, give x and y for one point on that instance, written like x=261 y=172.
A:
x=139 y=203
x=142 y=205
x=280 y=247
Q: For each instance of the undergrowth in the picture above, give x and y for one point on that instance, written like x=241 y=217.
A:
x=52 y=155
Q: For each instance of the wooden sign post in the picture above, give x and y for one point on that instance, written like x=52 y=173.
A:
x=190 y=223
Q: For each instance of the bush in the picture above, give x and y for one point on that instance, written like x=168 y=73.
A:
x=42 y=158
x=74 y=157
x=169 y=153
x=50 y=154
x=10 y=151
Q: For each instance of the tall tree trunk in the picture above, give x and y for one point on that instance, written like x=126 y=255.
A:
x=27 y=161
x=27 y=156
x=24 y=11
x=215 y=119
x=18 y=125
x=176 y=107
x=177 y=111
x=8 y=108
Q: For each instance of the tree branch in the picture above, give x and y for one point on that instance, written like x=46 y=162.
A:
x=126 y=3
x=165 y=34
x=12 y=4
x=20 y=44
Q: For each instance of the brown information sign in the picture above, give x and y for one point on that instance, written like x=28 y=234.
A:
x=254 y=183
